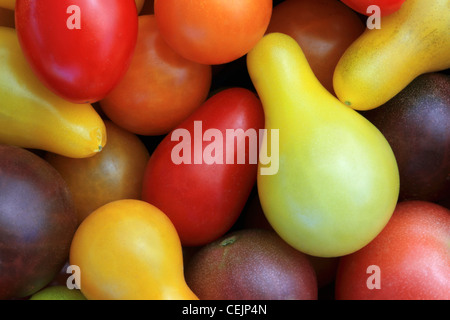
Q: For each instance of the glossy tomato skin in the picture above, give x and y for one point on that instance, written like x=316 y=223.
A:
x=160 y=88
x=412 y=255
x=212 y=31
x=387 y=7
x=323 y=43
x=81 y=65
x=204 y=200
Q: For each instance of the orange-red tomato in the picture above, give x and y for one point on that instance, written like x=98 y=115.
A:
x=114 y=173
x=408 y=260
x=324 y=29
x=129 y=249
x=160 y=89
x=212 y=31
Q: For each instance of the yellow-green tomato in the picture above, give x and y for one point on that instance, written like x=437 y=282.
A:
x=337 y=183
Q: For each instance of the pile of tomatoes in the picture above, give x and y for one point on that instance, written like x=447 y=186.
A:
x=132 y=220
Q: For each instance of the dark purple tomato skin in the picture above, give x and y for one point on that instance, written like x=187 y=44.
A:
x=37 y=222
x=416 y=124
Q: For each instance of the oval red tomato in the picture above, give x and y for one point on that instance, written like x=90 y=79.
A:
x=386 y=6
x=408 y=260
x=213 y=31
x=79 y=48
x=202 y=197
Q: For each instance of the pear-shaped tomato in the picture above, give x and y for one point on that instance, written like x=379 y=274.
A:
x=128 y=249
x=202 y=173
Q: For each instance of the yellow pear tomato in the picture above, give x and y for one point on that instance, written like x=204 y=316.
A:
x=129 y=250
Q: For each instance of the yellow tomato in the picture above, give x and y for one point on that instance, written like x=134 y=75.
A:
x=129 y=250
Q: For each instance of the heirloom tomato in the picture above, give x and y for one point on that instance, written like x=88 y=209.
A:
x=160 y=88
x=80 y=49
x=213 y=31
x=194 y=175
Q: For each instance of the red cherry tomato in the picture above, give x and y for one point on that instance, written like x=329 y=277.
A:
x=386 y=6
x=80 y=49
x=204 y=200
x=408 y=260
x=213 y=31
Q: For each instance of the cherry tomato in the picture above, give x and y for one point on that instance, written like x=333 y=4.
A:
x=160 y=89
x=322 y=43
x=129 y=249
x=409 y=259
x=204 y=198
x=80 y=49
x=212 y=31
x=386 y=6
x=113 y=174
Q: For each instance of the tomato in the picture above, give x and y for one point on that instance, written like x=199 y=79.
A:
x=129 y=249
x=386 y=6
x=409 y=259
x=113 y=174
x=204 y=198
x=160 y=89
x=322 y=43
x=80 y=62
x=212 y=31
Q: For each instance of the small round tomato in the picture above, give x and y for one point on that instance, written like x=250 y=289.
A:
x=113 y=174
x=80 y=49
x=408 y=260
x=386 y=6
x=160 y=88
x=129 y=249
x=212 y=31
x=322 y=43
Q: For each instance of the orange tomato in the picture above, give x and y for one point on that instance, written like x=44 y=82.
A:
x=114 y=173
x=129 y=249
x=160 y=89
x=212 y=31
